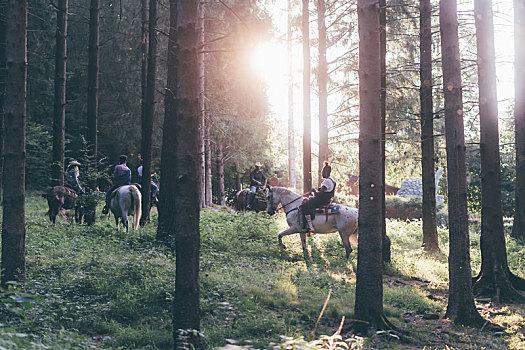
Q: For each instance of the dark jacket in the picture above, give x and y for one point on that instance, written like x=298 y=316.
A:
x=257 y=175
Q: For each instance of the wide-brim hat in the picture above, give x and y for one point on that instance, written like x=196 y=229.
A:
x=74 y=162
x=258 y=164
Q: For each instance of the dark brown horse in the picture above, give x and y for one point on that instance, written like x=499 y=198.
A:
x=60 y=198
x=241 y=200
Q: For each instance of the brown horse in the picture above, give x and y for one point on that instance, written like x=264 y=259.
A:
x=60 y=198
x=241 y=200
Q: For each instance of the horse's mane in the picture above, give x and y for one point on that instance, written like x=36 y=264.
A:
x=284 y=190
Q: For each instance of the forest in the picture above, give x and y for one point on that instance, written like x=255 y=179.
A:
x=155 y=155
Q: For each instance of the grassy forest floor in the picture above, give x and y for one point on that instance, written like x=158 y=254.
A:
x=96 y=287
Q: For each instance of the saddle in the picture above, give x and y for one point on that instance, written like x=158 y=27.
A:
x=330 y=209
x=70 y=192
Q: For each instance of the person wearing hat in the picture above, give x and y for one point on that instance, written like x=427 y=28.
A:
x=72 y=174
x=121 y=177
x=322 y=196
x=257 y=179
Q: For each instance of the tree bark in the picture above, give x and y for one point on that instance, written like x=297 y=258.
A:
x=202 y=105
x=322 y=78
x=220 y=175
x=369 y=285
x=147 y=121
x=3 y=79
x=307 y=127
x=238 y=178
x=144 y=60
x=209 y=187
x=430 y=237
x=387 y=258
x=93 y=70
x=461 y=308
x=291 y=142
x=518 y=228
x=494 y=279
x=185 y=187
x=13 y=265
x=59 y=111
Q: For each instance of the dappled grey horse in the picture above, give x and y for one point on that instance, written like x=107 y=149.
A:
x=344 y=221
x=126 y=200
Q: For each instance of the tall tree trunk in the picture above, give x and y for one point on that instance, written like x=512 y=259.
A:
x=430 y=237
x=495 y=279
x=307 y=127
x=387 y=258
x=147 y=121
x=238 y=178
x=13 y=265
x=518 y=229
x=220 y=175
x=369 y=285
x=59 y=112
x=209 y=191
x=202 y=105
x=185 y=193
x=291 y=142
x=144 y=60
x=93 y=69
x=3 y=79
x=167 y=158
x=461 y=307
x=322 y=78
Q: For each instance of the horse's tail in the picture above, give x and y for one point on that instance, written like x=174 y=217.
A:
x=137 y=206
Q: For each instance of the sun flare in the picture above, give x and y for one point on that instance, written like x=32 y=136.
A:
x=270 y=62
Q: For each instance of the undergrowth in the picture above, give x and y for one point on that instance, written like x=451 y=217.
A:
x=96 y=287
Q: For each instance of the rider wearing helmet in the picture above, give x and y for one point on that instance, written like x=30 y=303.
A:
x=257 y=179
x=322 y=196
x=121 y=177
x=72 y=181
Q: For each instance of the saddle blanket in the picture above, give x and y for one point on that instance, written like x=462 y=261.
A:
x=331 y=209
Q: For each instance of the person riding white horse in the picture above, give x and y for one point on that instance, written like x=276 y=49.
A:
x=341 y=218
x=322 y=198
x=121 y=177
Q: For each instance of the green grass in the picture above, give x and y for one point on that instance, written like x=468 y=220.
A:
x=96 y=287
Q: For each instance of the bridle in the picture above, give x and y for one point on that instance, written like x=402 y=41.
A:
x=284 y=205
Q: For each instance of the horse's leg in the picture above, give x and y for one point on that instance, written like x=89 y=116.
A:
x=287 y=232
x=303 y=243
x=125 y=221
x=345 y=238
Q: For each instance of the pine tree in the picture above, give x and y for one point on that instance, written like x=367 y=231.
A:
x=13 y=267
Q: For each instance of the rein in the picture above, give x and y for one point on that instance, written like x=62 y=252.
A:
x=284 y=206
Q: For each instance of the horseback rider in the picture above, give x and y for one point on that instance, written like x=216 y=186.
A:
x=154 y=187
x=257 y=179
x=121 y=177
x=72 y=174
x=322 y=196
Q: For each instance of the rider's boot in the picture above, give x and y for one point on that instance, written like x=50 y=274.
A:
x=309 y=225
x=105 y=210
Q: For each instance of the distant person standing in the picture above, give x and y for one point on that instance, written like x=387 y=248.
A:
x=257 y=180
x=121 y=177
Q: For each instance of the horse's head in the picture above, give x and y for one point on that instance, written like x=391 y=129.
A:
x=272 y=205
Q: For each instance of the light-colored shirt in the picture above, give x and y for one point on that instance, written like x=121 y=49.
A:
x=139 y=171
x=329 y=184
